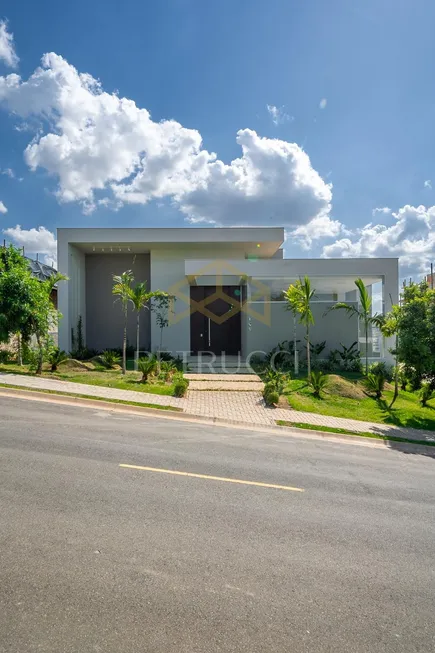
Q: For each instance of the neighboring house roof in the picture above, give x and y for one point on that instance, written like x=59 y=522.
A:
x=40 y=270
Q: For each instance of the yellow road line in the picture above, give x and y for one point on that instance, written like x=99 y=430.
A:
x=213 y=478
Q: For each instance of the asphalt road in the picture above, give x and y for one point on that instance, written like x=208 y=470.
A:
x=95 y=557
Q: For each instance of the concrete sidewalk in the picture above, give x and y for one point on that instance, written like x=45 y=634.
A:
x=244 y=407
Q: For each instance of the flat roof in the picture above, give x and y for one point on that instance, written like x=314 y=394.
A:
x=89 y=239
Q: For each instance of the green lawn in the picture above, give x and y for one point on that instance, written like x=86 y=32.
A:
x=406 y=412
x=101 y=377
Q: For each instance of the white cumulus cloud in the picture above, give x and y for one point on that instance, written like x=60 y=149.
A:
x=273 y=182
x=3 y=209
x=323 y=102
x=318 y=229
x=428 y=184
x=7 y=48
x=34 y=241
x=411 y=238
x=91 y=140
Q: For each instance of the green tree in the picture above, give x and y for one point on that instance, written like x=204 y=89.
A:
x=416 y=332
x=298 y=297
x=26 y=306
x=160 y=306
x=363 y=312
x=122 y=290
x=44 y=315
x=140 y=298
x=389 y=328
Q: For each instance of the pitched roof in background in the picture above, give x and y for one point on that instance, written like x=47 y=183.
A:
x=40 y=270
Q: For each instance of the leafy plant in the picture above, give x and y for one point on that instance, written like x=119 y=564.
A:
x=181 y=385
x=348 y=358
x=147 y=366
x=110 y=358
x=271 y=397
x=161 y=305
x=26 y=304
x=324 y=364
x=140 y=298
x=298 y=297
x=4 y=356
x=122 y=290
x=402 y=377
x=318 y=381
x=317 y=349
x=78 y=349
x=426 y=392
x=413 y=322
x=382 y=368
x=281 y=355
x=167 y=370
x=56 y=357
x=276 y=379
x=363 y=311
x=375 y=383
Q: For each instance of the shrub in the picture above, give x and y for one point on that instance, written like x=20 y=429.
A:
x=324 y=365
x=32 y=358
x=110 y=358
x=167 y=370
x=147 y=366
x=281 y=356
x=402 y=377
x=375 y=383
x=426 y=393
x=55 y=357
x=348 y=358
x=382 y=368
x=318 y=381
x=180 y=385
x=4 y=356
x=276 y=378
x=271 y=398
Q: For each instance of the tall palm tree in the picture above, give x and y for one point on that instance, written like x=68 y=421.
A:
x=122 y=290
x=298 y=297
x=140 y=297
x=390 y=327
x=363 y=312
x=45 y=313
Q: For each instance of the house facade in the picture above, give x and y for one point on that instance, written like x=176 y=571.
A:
x=227 y=286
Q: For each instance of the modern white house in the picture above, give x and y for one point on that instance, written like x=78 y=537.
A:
x=227 y=284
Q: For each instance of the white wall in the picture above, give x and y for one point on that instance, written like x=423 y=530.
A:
x=71 y=293
x=334 y=327
x=168 y=273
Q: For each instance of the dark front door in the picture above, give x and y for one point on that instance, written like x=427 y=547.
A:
x=216 y=326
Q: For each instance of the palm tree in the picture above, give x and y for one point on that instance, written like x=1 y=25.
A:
x=389 y=328
x=139 y=296
x=363 y=312
x=122 y=290
x=45 y=313
x=298 y=297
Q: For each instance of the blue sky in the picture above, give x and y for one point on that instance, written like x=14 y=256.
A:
x=346 y=88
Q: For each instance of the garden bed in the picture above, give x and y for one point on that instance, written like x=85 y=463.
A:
x=346 y=398
x=97 y=376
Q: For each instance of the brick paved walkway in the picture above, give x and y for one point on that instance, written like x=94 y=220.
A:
x=246 y=407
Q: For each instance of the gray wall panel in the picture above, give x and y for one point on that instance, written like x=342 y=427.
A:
x=104 y=317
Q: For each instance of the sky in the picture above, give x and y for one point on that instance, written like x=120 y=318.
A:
x=316 y=116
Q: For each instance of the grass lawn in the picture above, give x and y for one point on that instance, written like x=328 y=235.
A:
x=101 y=377
x=345 y=398
x=364 y=434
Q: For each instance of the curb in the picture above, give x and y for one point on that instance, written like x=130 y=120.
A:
x=281 y=431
